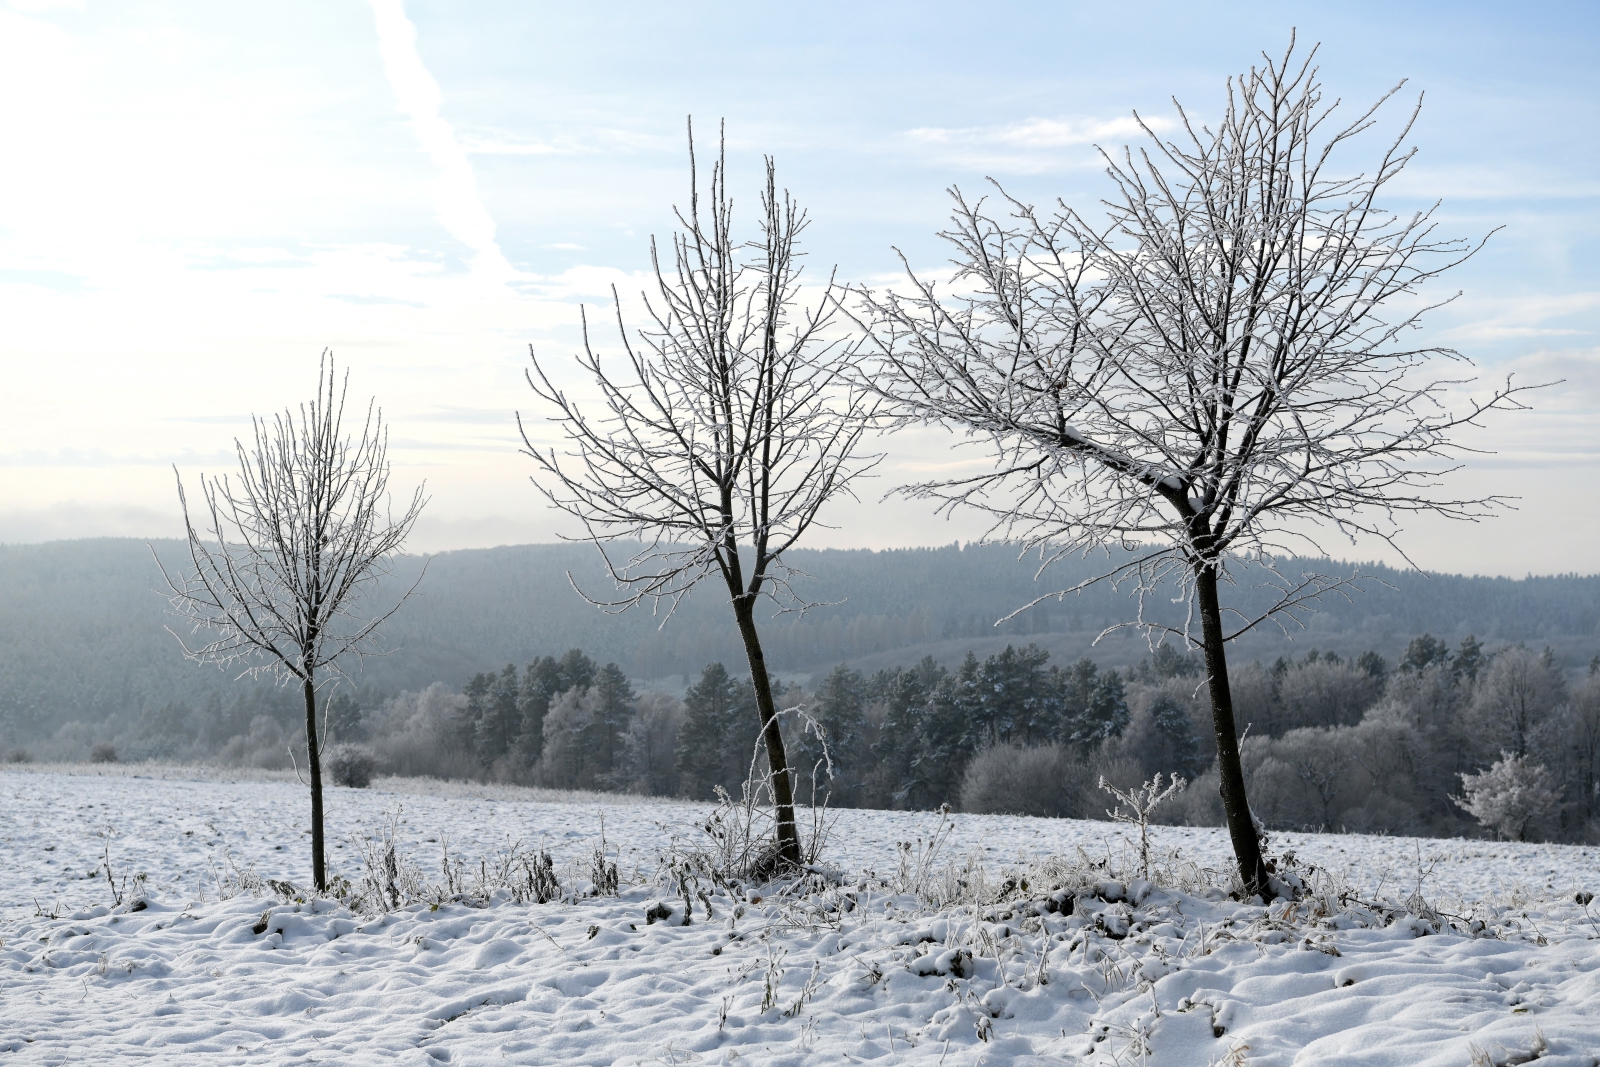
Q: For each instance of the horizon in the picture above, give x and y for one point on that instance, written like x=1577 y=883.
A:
x=1369 y=565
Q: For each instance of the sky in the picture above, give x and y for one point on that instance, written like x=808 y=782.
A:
x=199 y=198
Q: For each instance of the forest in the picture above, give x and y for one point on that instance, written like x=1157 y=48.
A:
x=1365 y=721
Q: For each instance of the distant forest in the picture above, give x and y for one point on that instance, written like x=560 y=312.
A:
x=82 y=638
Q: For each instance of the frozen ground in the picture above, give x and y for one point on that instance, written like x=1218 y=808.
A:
x=1075 y=969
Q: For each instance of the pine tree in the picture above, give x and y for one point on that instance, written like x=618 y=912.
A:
x=1423 y=652
x=1177 y=747
x=717 y=740
x=543 y=680
x=500 y=722
x=1469 y=658
x=944 y=736
x=1095 y=705
x=344 y=719
x=613 y=708
x=840 y=711
x=898 y=748
x=466 y=721
x=1016 y=700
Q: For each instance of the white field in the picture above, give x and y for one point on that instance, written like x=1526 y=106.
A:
x=1177 y=975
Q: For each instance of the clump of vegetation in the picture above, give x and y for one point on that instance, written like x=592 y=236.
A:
x=103 y=752
x=351 y=765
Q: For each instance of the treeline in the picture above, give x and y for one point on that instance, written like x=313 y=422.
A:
x=1449 y=742
x=1430 y=748
x=1329 y=742
x=897 y=738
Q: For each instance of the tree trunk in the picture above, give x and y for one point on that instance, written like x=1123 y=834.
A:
x=782 y=787
x=1241 y=826
x=319 y=870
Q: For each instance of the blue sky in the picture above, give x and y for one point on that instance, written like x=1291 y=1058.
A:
x=207 y=194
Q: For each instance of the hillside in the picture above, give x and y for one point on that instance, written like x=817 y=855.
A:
x=82 y=629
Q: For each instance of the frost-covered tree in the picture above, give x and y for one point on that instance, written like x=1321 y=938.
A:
x=546 y=678
x=287 y=556
x=1515 y=698
x=1326 y=692
x=1201 y=376
x=1511 y=797
x=647 y=754
x=719 y=438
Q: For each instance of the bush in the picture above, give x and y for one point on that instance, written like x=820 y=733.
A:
x=1511 y=797
x=1012 y=780
x=19 y=755
x=351 y=765
x=103 y=753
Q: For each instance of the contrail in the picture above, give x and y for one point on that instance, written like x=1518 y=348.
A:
x=456 y=196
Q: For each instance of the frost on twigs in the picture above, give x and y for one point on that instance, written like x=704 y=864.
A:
x=1135 y=806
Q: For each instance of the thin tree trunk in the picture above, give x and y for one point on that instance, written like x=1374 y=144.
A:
x=1241 y=826
x=319 y=871
x=782 y=787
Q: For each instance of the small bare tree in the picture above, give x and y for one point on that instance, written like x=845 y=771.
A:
x=728 y=430
x=1203 y=378
x=290 y=553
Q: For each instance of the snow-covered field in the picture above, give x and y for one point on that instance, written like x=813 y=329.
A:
x=1494 y=962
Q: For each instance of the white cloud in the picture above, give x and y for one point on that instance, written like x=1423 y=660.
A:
x=1499 y=318
x=1039 y=133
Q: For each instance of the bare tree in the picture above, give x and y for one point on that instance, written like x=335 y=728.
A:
x=727 y=430
x=290 y=554
x=1199 y=381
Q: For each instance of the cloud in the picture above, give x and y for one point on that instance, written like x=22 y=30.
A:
x=459 y=205
x=1031 y=146
x=1039 y=133
x=1524 y=316
x=99 y=457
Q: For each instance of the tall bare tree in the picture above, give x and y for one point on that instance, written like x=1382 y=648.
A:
x=724 y=431
x=288 y=555
x=1203 y=377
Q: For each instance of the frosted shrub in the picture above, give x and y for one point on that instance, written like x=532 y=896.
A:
x=1012 y=780
x=1135 y=806
x=1510 y=797
x=103 y=753
x=351 y=765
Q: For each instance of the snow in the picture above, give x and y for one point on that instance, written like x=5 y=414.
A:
x=860 y=971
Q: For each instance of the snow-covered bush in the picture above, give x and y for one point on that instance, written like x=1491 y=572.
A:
x=1510 y=797
x=351 y=765
x=103 y=753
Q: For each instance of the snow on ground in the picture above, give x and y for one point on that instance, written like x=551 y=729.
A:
x=1096 y=971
